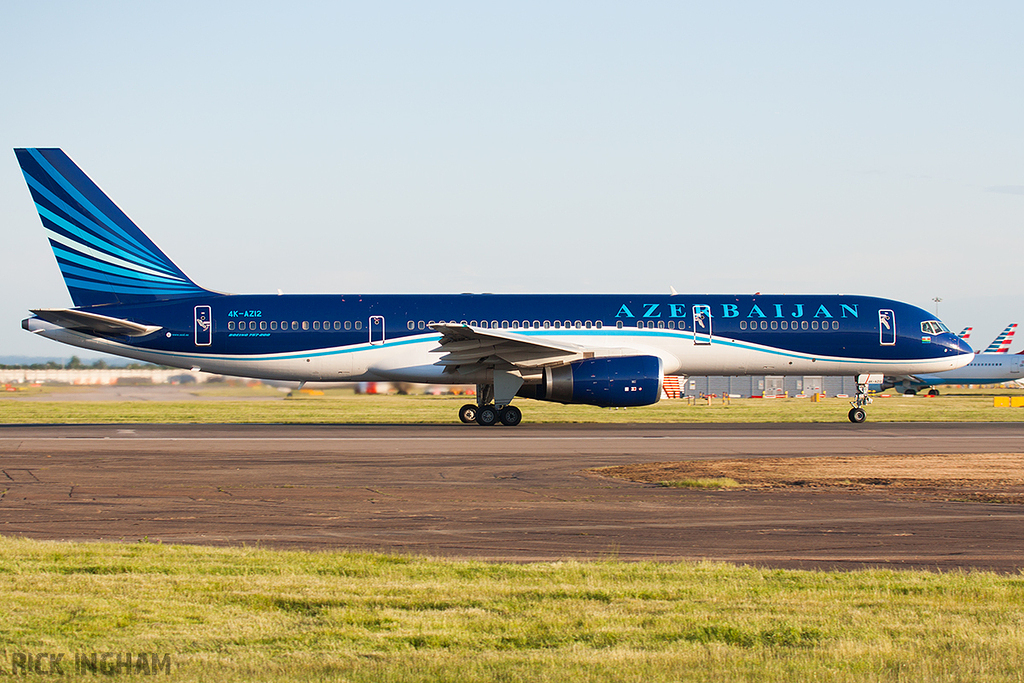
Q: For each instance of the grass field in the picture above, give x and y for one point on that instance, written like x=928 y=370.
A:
x=247 y=614
x=254 y=614
x=344 y=407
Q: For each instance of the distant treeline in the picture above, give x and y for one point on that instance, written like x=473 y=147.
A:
x=75 y=363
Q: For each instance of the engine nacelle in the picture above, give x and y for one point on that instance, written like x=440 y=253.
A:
x=606 y=382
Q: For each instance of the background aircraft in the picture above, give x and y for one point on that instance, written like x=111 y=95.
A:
x=605 y=350
x=1002 y=342
x=993 y=366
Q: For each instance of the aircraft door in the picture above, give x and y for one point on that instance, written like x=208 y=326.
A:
x=702 y=324
x=886 y=327
x=376 y=329
x=204 y=326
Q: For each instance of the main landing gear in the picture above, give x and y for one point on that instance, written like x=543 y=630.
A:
x=857 y=413
x=491 y=409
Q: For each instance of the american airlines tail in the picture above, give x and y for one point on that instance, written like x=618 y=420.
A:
x=102 y=254
x=1002 y=343
x=965 y=333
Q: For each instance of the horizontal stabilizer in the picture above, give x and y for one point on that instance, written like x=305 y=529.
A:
x=94 y=323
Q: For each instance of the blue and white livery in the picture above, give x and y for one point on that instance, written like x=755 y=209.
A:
x=605 y=350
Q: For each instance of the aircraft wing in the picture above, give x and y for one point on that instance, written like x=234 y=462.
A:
x=94 y=323
x=467 y=348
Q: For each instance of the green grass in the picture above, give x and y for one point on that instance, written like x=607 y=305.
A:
x=340 y=407
x=712 y=483
x=255 y=614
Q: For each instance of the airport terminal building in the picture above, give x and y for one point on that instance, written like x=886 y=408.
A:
x=745 y=386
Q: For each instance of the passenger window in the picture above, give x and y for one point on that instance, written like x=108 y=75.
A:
x=263 y=324
x=273 y=324
x=743 y=324
x=671 y=324
x=316 y=324
x=803 y=324
x=359 y=324
x=536 y=324
x=814 y=324
x=231 y=324
x=305 y=324
x=295 y=324
x=588 y=324
x=835 y=324
x=494 y=324
x=618 y=324
x=578 y=325
x=412 y=325
x=348 y=324
x=764 y=325
x=337 y=324
x=515 y=324
x=785 y=325
x=420 y=325
x=775 y=324
x=640 y=324
x=504 y=324
x=252 y=325
x=661 y=325
x=599 y=324
x=547 y=324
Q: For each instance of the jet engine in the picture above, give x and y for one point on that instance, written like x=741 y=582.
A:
x=606 y=382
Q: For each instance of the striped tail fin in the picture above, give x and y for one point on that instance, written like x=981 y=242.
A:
x=965 y=333
x=1001 y=344
x=102 y=254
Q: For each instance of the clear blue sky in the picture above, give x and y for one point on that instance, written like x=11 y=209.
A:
x=873 y=148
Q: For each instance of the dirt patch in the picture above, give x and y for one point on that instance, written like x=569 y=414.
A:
x=975 y=477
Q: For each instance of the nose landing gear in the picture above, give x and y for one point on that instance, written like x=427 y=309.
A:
x=857 y=413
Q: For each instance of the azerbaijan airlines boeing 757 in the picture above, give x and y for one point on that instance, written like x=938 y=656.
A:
x=604 y=350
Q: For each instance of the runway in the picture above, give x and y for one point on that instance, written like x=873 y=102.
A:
x=495 y=493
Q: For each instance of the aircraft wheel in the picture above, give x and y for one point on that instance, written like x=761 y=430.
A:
x=511 y=416
x=910 y=392
x=467 y=413
x=933 y=392
x=487 y=416
x=857 y=415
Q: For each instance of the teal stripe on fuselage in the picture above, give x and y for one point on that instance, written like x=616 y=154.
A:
x=685 y=337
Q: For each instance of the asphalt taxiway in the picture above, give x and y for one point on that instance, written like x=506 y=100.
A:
x=495 y=493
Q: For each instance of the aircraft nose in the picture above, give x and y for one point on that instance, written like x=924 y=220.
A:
x=961 y=347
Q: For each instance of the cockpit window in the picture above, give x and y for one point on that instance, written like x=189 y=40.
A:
x=934 y=327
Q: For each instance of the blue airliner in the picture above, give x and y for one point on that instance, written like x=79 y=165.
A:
x=131 y=300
